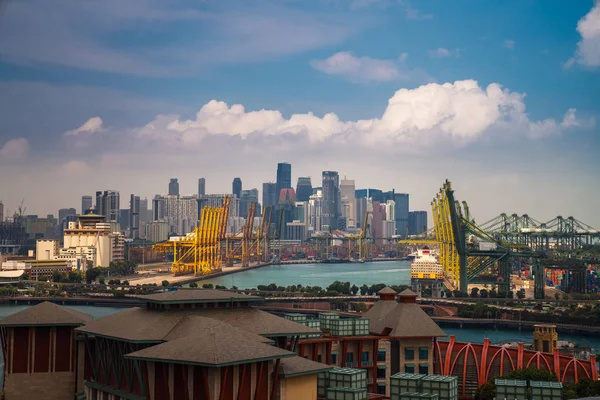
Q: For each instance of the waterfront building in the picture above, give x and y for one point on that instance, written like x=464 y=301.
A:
x=173 y=187
x=331 y=198
x=303 y=189
x=180 y=212
x=201 y=187
x=417 y=222
x=284 y=177
x=86 y=204
x=236 y=187
x=401 y=213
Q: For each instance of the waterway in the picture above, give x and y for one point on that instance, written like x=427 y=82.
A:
x=368 y=273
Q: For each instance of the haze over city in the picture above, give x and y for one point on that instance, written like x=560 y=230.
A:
x=502 y=100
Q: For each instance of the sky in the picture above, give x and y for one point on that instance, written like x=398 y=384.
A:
x=501 y=98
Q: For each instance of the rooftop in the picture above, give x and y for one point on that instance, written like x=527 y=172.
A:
x=387 y=290
x=46 y=314
x=298 y=366
x=182 y=296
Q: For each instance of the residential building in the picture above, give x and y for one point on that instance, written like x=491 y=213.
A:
x=86 y=204
x=377 y=222
x=303 y=189
x=201 y=187
x=348 y=198
x=216 y=200
x=284 y=177
x=401 y=211
x=417 y=222
x=296 y=230
x=236 y=187
x=331 y=198
x=36 y=227
x=270 y=196
x=134 y=217
x=173 y=187
x=361 y=210
x=248 y=197
x=156 y=231
x=181 y=212
x=315 y=209
x=108 y=204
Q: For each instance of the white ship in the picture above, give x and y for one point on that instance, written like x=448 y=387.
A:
x=426 y=266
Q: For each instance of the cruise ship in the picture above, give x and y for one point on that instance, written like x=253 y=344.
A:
x=426 y=266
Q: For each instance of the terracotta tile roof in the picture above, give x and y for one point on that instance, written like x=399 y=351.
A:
x=297 y=366
x=404 y=320
x=214 y=344
x=387 y=290
x=197 y=296
x=376 y=315
x=407 y=292
x=46 y=314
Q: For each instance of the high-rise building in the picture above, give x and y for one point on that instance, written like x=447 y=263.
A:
x=390 y=210
x=269 y=194
x=1 y=212
x=401 y=210
x=347 y=193
x=181 y=212
x=173 y=187
x=145 y=212
x=134 y=217
x=201 y=187
x=377 y=222
x=248 y=197
x=236 y=187
x=417 y=222
x=86 y=204
x=303 y=189
x=284 y=177
x=331 y=198
x=216 y=200
x=63 y=213
x=315 y=208
x=107 y=204
x=374 y=194
x=361 y=210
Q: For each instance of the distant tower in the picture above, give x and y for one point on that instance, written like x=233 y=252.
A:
x=201 y=187
x=86 y=204
x=236 y=187
x=134 y=217
x=304 y=189
x=284 y=177
x=331 y=198
x=269 y=196
x=1 y=212
x=173 y=187
x=545 y=338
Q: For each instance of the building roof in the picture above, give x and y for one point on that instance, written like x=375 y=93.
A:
x=298 y=366
x=197 y=296
x=409 y=320
x=11 y=274
x=387 y=290
x=46 y=314
x=407 y=293
x=213 y=344
x=376 y=315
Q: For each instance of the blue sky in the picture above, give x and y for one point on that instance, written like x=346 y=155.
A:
x=528 y=143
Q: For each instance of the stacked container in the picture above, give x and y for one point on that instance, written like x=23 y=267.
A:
x=361 y=327
x=299 y=318
x=546 y=390
x=403 y=382
x=513 y=389
x=446 y=387
x=341 y=327
x=348 y=378
x=325 y=318
x=341 y=393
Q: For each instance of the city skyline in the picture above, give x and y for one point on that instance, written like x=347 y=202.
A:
x=501 y=99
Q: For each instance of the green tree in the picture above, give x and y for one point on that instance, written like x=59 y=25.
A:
x=360 y=307
x=364 y=289
x=193 y=285
x=354 y=289
x=520 y=295
x=165 y=283
x=209 y=286
x=474 y=292
x=25 y=277
x=483 y=293
x=126 y=283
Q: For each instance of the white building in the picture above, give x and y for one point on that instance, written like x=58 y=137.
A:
x=180 y=212
x=347 y=193
x=389 y=229
x=156 y=231
x=390 y=210
x=315 y=208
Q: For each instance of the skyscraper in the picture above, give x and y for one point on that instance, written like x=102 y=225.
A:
x=107 y=204
x=173 y=187
x=331 y=198
x=303 y=189
x=284 y=177
x=201 y=187
x=417 y=222
x=401 y=213
x=236 y=187
x=63 y=213
x=248 y=197
x=134 y=217
x=347 y=192
x=1 y=212
x=86 y=204
x=270 y=196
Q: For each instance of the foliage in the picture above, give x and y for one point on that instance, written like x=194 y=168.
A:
x=207 y=286
x=165 y=283
x=488 y=389
x=360 y=307
x=122 y=268
x=25 y=277
x=193 y=285
x=483 y=293
x=474 y=292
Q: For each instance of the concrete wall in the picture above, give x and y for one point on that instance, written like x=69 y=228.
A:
x=415 y=344
x=47 y=386
x=299 y=388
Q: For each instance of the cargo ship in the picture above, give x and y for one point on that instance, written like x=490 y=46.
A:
x=426 y=266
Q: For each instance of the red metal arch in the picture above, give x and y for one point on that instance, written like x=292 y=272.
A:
x=499 y=353
x=537 y=356
x=576 y=363
x=466 y=349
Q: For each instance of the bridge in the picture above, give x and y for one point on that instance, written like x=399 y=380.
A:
x=472 y=253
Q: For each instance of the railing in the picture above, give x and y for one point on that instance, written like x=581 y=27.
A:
x=366 y=364
x=351 y=364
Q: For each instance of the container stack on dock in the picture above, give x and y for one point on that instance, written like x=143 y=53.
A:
x=546 y=390
x=514 y=389
x=343 y=384
x=405 y=386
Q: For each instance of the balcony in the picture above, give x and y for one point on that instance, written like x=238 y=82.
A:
x=351 y=364
x=366 y=364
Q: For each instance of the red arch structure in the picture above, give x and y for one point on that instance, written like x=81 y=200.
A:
x=476 y=363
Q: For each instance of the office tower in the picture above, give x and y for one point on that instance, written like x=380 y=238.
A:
x=1 y=212
x=86 y=204
x=361 y=209
x=417 y=222
x=181 y=212
x=389 y=195
x=236 y=187
x=201 y=187
x=315 y=208
x=173 y=187
x=63 y=213
x=287 y=196
x=374 y=194
x=124 y=219
x=270 y=196
x=248 y=197
x=303 y=189
x=390 y=210
x=145 y=213
x=401 y=216
x=377 y=222
x=98 y=207
x=107 y=204
x=331 y=198
x=347 y=193
x=134 y=217
x=284 y=177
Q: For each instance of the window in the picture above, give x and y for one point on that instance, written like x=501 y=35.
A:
x=546 y=346
x=409 y=353
x=381 y=355
x=423 y=353
x=333 y=360
x=424 y=369
x=350 y=357
x=409 y=368
x=319 y=358
x=365 y=356
x=380 y=373
x=380 y=388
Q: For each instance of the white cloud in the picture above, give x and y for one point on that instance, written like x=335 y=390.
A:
x=429 y=115
x=14 y=150
x=444 y=53
x=74 y=169
x=92 y=125
x=412 y=13
x=509 y=44
x=366 y=69
x=588 y=48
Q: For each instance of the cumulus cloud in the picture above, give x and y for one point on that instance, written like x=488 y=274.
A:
x=509 y=44
x=366 y=69
x=74 y=169
x=92 y=125
x=588 y=48
x=444 y=53
x=459 y=113
x=14 y=150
